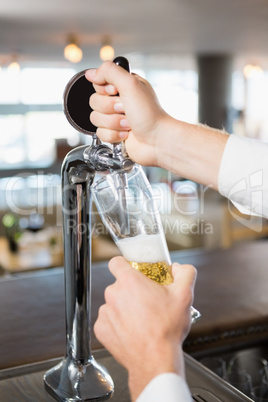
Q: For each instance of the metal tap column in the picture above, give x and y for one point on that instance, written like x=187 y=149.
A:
x=78 y=377
x=76 y=204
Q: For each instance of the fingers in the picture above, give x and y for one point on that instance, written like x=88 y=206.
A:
x=185 y=273
x=105 y=327
x=110 y=136
x=107 y=89
x=106 y=104
x=108 y=78
x=111 y=128
x=113 y=122
x=108 y=116
x=128 y=276
x=118 y=265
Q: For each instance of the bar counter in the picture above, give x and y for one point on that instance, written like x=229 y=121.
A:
x=231 y=293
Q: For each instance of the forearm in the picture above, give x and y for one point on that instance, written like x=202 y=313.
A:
x=191 y=151
x=153 y=138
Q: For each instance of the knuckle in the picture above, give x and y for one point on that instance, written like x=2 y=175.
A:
x=186 y=298
x=101 y=316
x=93 y=117
x=107 y=121
x=107 y=64
x=191 y=270
x=134 y=82
x=92 y=100
x=108 y=135
x=109 y=294
x=98 y=328
x=194 y=272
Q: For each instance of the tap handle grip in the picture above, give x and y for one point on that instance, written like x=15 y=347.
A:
x=122 y=62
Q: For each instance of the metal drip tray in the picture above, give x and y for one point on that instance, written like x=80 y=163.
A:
x=201 y=395
x=206 y=386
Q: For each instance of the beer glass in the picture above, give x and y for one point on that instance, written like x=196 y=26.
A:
x=241 y=381
x=255 y=366
x=261 y=391
x=126 y=206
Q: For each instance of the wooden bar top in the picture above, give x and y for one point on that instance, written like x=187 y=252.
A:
x=231 y=293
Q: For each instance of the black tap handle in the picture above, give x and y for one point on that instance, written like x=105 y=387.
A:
x=76 y=95
x=122 y=62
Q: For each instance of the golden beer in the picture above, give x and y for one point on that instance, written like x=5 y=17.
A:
x=160 y=272
x=149 y=255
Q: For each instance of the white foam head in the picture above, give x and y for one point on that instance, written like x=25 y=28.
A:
x=144 y=248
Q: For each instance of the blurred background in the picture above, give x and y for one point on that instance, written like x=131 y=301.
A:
x=207 y=61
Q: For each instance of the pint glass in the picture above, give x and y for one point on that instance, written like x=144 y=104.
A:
x=126 y=206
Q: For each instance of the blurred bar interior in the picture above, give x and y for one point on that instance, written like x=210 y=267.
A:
x=208 y=63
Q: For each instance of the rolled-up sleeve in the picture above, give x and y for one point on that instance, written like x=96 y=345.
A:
x=243 y=175
x=168 y=387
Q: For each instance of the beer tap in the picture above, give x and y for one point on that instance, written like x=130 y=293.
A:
x=78 y=377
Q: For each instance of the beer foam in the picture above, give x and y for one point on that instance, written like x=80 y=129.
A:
x=144 y=248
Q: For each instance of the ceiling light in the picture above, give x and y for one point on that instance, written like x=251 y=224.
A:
x=72 y=51
x=106 y=51
x=251 y=71
x=13 y=67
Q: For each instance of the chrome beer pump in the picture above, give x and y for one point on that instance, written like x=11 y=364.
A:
x=78 y=377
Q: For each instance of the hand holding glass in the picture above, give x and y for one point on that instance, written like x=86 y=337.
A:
x=125 y=203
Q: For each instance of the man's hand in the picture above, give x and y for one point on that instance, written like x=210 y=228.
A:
x=135 y=116
x=143 y=324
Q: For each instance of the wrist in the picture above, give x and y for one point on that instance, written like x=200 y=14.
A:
x=164 y=360
x=163 y=141
x=192 y=151
x=169 y=142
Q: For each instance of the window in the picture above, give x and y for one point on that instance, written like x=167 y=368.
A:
x=250 y=98
x=31 y=117
x=177 y=92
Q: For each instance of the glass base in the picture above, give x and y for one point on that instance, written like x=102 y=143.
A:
x=195 y=315
x=71 y=380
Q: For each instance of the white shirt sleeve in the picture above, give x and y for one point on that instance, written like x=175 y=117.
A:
x=168 y=387
x=243 y=175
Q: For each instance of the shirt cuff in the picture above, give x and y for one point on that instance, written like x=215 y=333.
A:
x=243 y=175
x=166 y=387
